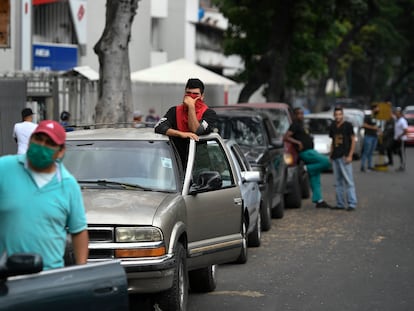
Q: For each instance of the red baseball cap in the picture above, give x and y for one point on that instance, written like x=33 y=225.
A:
x=52 y=129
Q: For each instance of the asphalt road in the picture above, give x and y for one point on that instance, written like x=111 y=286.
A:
x=319 y=259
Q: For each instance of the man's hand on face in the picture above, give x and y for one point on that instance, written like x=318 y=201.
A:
x=190 y=98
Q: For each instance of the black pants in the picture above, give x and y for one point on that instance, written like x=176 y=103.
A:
x=399 y=149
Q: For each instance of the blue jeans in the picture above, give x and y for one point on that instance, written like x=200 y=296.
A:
x=344 y=183
x=370 y=143
x=315 y=164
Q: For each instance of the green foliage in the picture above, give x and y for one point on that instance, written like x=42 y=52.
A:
x=329 y=39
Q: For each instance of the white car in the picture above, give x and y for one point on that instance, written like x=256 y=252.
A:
x=318 y=125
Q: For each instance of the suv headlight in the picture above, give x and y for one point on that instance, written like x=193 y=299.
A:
x=150 y=237
x=138 y=234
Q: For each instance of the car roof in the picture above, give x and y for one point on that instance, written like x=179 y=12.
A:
x=122 y=134
x=319 y=115
x=266 y=105
x=239 y=111
x=116 y=134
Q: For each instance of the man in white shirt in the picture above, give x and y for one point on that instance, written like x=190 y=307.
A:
x=23 y=130
x=400 y=136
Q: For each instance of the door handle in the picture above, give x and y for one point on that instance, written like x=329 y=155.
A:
x=105 y=290
x=238 y=201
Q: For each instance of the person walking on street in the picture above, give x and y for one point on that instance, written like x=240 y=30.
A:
x=315 y=162
x=400 y=136
x=41 y=202
x=370 y=139
x=189 y=119
x=342 y=149
x=23 y=130
x=388 y=139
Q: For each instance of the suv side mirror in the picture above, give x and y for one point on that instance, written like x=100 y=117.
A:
x=19 y=264
x=277 y=143
x=250 y=176
x=206 y=181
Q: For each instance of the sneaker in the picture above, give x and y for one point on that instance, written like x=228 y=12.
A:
x=362 y=170
x=338 y=207
x=351 y=209
x=400 y=169
x=322 y=204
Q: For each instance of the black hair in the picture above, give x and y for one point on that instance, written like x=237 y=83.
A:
x=64 y=116
x=295 y=110
x=338 y=108
x=195 y=84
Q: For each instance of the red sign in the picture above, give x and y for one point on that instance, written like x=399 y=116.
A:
x=39 y=2
x=81 y=12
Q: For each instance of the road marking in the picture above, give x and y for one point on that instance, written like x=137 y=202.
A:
x=247 y=293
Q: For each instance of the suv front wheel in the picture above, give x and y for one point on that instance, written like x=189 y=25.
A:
x=175 y=298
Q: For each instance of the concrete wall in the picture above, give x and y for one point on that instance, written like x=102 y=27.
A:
x=12 y=101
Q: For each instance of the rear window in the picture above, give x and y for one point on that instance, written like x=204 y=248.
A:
x=244 y=130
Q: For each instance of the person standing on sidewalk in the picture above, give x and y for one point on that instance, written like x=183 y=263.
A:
x=314 y=161
x=342 y=149
x=370 y=139
x=400 y=136
x=23 y=130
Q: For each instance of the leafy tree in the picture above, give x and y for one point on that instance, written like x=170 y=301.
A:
x=283 y=43
x=114 y=93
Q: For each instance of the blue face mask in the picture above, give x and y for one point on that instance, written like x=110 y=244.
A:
x=40 y=156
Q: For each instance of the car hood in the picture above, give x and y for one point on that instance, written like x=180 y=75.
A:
x=123 y=206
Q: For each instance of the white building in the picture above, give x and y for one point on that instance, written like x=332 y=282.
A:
x=47 y=37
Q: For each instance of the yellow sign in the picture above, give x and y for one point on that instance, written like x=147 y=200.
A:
x=385 y=110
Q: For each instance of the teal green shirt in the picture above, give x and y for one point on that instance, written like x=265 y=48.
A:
x=37 y=220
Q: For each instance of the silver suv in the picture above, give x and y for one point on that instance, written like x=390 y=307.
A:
x=168 y=222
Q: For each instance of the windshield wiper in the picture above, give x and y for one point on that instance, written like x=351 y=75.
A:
x=105 y=182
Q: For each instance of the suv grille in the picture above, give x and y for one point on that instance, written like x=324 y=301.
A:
x=101 y=235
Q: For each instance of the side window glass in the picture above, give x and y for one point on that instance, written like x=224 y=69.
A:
x=211 y=157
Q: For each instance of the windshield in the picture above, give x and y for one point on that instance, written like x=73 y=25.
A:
x=244 y=130
x=318 y=126
x=145 y=164
x=280 y=120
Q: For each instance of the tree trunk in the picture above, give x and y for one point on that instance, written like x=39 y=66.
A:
x=114 y=89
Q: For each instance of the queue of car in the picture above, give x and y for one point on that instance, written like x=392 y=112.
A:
x=161 y=225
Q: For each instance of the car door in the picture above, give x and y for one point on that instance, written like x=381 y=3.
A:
x=214 y=216
x=99 y=286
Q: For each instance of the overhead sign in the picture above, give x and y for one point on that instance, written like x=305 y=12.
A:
x=54 y=57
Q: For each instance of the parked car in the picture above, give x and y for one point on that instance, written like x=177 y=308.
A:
x=319 y=123
x=254 y=133
x=408 y=110
x=168 y=222
x=250 y=191
x=410 y=129
x=297 y=181
x=93 y=287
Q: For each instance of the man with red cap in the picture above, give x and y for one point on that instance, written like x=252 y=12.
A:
x=40 y=201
